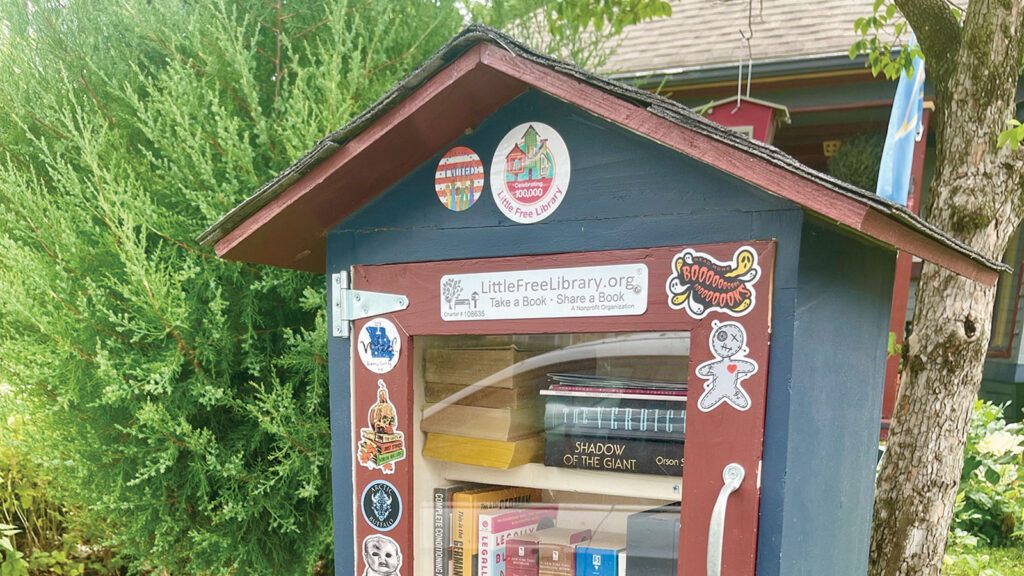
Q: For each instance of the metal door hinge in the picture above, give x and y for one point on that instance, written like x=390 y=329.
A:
x=348 y=304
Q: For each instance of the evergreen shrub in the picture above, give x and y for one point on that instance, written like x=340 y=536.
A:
x=179 y=401
x=858 y=159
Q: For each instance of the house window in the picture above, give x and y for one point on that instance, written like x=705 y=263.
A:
x=1004 y=313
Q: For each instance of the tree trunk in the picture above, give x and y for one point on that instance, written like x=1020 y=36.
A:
x=976 y=197
x=917 y=485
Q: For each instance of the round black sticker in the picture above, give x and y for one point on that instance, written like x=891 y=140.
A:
x=382 y=506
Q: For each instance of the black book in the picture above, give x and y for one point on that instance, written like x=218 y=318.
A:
x=442 y=521
x=614 y=454
x=652 y=542
x=640 y=419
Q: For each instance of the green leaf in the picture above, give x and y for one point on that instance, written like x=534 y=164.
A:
x=992 y=475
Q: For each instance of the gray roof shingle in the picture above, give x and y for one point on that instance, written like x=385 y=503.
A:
x=707 y=33
x=629 y=95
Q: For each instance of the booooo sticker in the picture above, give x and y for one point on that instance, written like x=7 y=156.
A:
x=459 y=179
x=700 y=284
x=379 y=345
x=530 y=172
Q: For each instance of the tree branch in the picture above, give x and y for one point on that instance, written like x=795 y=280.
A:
x=937 y=30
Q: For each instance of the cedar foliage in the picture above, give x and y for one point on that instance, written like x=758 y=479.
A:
x=179 y=400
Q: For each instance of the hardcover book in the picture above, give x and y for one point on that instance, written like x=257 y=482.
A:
x=601 y=556
x=652 y=542
x=521 y=555
x=495 y=530
x=487 y=453
x=614 y=454
x=611 y=383
x=556 y=550
x=614 y=417
x=466 y=510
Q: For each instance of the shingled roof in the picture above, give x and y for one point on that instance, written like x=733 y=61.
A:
x=709 y=33
x=290 y=215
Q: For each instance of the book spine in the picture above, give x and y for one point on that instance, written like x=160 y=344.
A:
x=521 y=558
x=660 y=393
x=652 y=543
x=440 y=542
x=596 y=561
x=649 y=420
x=608 y=453
x=485 y=543
x=557 y=560
x=459 y=521
x=607 y=394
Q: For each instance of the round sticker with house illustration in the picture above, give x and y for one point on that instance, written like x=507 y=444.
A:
x=530 y=172
x=459 y=179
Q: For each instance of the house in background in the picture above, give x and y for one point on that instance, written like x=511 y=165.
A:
x=799 y=58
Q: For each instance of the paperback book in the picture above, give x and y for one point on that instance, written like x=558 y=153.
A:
x=605 y=555
x=442 y=520
x=614 y=454
x=466 y=510
x=495 y=530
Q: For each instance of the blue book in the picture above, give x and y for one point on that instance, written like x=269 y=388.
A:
x=601 y=556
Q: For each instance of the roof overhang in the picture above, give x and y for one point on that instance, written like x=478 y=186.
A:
x=286 y=222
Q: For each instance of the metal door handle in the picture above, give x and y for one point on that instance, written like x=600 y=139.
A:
x=732 y=475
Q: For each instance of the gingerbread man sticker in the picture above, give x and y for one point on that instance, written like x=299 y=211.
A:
x=730 y=367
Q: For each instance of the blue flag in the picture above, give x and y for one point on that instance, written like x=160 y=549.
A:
x=904 y=126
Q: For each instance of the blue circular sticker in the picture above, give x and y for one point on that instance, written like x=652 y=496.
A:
x=381 y=504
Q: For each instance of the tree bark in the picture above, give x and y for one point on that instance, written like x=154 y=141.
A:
x=977 y=197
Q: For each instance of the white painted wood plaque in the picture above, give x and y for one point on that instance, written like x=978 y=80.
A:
x=615 y=290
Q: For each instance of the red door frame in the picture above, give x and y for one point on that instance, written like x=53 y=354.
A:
x=714 y=439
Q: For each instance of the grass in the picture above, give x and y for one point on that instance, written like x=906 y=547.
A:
x=983 y=561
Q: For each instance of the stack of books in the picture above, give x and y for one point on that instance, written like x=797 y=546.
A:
x=484 y=530
x=473 y=522
x=614 y=424
x=480 y=410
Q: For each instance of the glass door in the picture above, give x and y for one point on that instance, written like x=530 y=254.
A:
x=591 y=413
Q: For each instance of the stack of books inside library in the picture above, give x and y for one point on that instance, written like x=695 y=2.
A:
x=550 y=454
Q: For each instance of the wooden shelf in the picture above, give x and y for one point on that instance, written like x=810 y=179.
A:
x=567 y=480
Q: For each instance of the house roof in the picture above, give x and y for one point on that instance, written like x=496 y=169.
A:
x=285 y=222
x=781 y=30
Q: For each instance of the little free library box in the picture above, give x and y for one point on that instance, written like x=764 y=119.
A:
x=577 y=329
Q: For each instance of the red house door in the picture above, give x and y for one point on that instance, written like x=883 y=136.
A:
x=480 y=378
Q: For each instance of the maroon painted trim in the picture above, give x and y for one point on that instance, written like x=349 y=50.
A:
x=851 y=106
x=713 y=439
x=901 y=284
x=289 y=232
x=1008 y=351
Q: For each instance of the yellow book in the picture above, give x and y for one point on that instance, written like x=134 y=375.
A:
x=466 y=508
x=488 y=453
